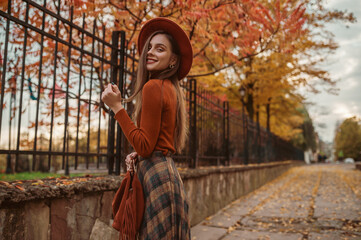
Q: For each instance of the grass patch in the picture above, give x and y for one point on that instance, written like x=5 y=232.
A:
x=36 y=175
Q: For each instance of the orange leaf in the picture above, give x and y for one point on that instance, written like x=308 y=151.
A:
x=5 y=183
x=4 y=5
x=20 y=188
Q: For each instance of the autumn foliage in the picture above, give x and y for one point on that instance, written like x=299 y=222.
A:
x=267 y=48
x=348 y=138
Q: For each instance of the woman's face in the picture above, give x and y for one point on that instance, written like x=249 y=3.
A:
x=159 y=55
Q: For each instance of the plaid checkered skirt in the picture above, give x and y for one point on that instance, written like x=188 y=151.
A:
x=166 y=207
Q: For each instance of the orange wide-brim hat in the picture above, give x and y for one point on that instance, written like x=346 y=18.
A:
x=170 y=27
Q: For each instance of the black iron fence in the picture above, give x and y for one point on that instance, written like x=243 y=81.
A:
x=53 y=69
x=220 y=135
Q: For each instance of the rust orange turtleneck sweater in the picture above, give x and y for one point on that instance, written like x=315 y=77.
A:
x=155 y=131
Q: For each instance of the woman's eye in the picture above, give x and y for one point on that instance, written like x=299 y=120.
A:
x=160 y=49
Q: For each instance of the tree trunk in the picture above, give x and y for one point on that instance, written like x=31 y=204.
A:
x=249 y=106
x=268 y=110
x=249 y=93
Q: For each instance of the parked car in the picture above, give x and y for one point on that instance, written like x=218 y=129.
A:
x=349 y=160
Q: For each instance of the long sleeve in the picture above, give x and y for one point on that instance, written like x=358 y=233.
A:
x=144 y=138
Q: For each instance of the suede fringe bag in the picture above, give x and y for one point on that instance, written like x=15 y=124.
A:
x=128 y=207
x=128 y=203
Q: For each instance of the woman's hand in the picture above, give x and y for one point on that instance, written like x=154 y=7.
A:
x=112 y=97
x=130 y=161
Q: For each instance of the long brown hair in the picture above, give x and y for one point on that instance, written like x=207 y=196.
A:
x=143 y=76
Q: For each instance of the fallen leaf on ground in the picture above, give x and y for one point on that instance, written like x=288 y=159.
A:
x=5 y=183
x=230 y=229
x=20 y=188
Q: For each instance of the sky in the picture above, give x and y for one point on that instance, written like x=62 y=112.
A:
x=345 y=67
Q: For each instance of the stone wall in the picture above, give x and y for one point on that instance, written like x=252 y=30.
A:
x=58 y=209
x=81 y=208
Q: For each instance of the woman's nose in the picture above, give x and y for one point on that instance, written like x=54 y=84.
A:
x=150 y=51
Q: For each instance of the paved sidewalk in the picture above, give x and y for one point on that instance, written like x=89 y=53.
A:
x=308 y=202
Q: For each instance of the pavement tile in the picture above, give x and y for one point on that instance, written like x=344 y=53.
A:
x=253 y=235
x=329 y=223
x=202 y=232
x=222 y=219
x=274 y=224
x=284 y=208
x=334 y=235
x=239 y=209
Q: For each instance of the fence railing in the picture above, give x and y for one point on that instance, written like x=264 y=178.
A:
x=53 y=70
x=220 y=135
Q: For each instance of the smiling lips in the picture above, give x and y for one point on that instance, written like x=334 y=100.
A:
x=151 y=60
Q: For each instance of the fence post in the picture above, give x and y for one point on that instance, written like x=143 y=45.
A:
x=120 y=85
x=226 y=132
x=258 y=138
x=245 y=133
x=193 y=123
x=275 y=145
x=111 y=123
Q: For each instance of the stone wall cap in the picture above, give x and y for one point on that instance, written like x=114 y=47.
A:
x=204 y=171
x=27 y=190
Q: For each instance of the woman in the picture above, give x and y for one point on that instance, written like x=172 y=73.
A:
x=165 y=58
